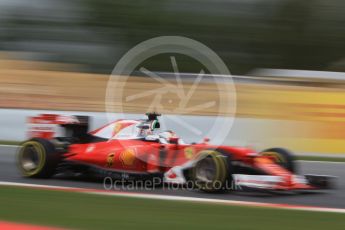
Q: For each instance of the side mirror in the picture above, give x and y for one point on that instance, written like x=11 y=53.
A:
x=174 y=140
x=206 y=140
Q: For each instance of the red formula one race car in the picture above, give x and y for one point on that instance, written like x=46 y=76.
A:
x=140 y=150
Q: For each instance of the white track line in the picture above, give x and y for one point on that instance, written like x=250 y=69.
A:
x=10 y=146
x=176 y=198
x=322 y=162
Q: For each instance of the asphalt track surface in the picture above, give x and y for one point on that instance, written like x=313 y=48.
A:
x=334 y=198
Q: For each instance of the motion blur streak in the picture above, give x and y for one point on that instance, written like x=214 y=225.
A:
x=55 y=52
x=287 y=34
x=315 y=112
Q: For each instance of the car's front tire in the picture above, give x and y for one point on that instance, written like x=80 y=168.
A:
x=38 y=158
x=212 y=171
x=282 y=157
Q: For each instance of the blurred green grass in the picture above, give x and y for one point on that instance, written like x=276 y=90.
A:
x=321 y=158
x=83 y=211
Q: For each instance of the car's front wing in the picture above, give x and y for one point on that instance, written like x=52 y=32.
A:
x=296 y=182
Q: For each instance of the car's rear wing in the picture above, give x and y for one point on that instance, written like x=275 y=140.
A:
x=49 y=126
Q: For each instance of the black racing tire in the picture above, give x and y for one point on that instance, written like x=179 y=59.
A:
x=282 y=157
x=212 y=171
x=38 y=158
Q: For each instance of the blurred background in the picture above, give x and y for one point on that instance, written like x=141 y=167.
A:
x=94 y=34
x=287 y=58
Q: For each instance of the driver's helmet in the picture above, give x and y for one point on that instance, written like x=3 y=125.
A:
x=145 y=129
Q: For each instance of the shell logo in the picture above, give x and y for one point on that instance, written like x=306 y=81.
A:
x=189 y=152
x=128 y=157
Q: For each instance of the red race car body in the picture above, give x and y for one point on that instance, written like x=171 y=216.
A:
x=138 y=149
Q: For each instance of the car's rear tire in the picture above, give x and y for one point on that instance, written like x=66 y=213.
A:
x=38 y=158
x=212 y=171
x=282 y=157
